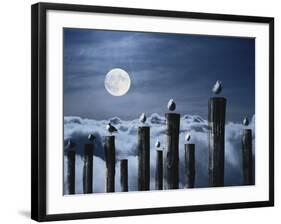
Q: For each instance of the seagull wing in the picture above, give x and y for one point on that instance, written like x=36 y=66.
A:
x=157 y=144
x=246 y=121
x=114 y=129
x=171 y=105
x=108 y=127
x=217 y=87
x=142 y=118
x=187 y=137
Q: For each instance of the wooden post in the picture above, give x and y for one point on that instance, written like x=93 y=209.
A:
x=143 y=158
x=88 y=169
x=124 y=175
x=71 y=171
x=216 y=117
x=190 y=165
x=109 y=149
x=247 y=157
x=171 y=165
x=159 y=170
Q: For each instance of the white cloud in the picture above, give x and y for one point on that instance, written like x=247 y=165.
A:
x=78 y=129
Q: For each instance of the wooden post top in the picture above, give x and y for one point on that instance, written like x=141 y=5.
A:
x=124 y=161
x=144 y=127
x=189 y=147
x=71 y=152
x=190 y=144
x=216 y=114
x=172 y=116
x=247 y=131
x=217 y=99
x=109 y=138
x=88 y=149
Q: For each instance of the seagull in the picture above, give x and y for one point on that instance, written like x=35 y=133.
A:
x=110 y=128
x=70 y=144
x=142 y=118
x=91 y=137
x=187 y=137
x=157 y=143
x=217 y=87
x=245 y=121
x=171 y=105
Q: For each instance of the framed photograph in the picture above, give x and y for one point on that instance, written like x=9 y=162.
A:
x=138 y=111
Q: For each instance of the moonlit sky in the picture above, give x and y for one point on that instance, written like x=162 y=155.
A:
x=161 y=66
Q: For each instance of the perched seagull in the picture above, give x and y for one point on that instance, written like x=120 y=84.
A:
x=171 y=105
x=245 y=121
x=187 y=137
x=157 y=144
x=110 y=128
x=217 y=87
x=91 y=137
x=142 y=118
x=70 y=144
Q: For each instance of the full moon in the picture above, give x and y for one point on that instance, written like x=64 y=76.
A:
x=117 y=82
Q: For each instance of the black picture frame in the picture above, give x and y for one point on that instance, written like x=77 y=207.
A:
x=39 y=122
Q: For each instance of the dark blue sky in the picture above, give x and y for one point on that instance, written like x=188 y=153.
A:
x=161 y=66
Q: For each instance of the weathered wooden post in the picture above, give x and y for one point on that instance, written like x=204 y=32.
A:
x=124 y=175
x=189 y=150
x=143 y=158
x=109 y=151
x=88 y=169
x=159 y=170
x=247 y=157
x=216 y=117
x=71 y=167
x=171 y=166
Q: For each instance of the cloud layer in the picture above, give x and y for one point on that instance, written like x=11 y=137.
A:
x=77 y=129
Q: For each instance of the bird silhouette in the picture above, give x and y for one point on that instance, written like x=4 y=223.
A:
x=245 y=121
x=171 y=105
x=187 y=137
x=157 y=143
x=70 y=144
x=142 y=118
x=217 y=88
x=110 y=128
x=91 y=137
